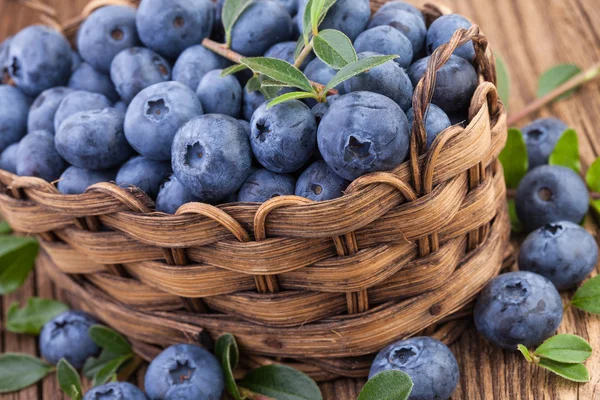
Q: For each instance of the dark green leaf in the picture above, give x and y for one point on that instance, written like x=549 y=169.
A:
x=110 y=369
x=592 y=176
x=556 y=76
x=587 y=297
x=280 y=71
x=514 y=158
x=566 y=151
x=68 y=380
x=358 y=67
x=110 y=340
x=270 y=92
x=572 y=372
x=596 y=207
x=18 y=371
x=232 y=10
x=94 y=364
x=565 y=348
x=17 y=258
x=290 y=96
x=387 y=385
x=5 y=229
x=253 y=84
x=227 y=352
x=234 y=69
x=525 y=351
x=282 y=383
x=515 y=223
x=502 y=80
x=334 y=48
x=32 y=317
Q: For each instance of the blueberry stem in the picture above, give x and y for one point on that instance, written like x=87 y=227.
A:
x=303 y=54
x=250 y=395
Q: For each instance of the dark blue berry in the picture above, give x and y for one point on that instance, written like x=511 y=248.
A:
x=43 y=109
x=541 y=137
x=263 y=185
x=220 y=95
x=409 y=24
x=386 y=40
x=76 y=180
x=318 y=182
x=172 y=195
x=78 y=101
x=115 y=391
x=441 y=31
x=85 y=77
x=194 y=62
x=144 y=173
x=435 y=119
x=37 y=156
x=14 y=108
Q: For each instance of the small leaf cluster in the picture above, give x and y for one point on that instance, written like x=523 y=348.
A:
x=391 y=385
x=17 y=258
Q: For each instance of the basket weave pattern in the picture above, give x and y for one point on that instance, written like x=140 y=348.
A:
x=318 y=285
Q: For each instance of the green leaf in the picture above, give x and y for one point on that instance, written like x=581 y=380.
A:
x=234 y=69
x=299 y=47
x=32 y=317
x=17 y=258
x=525 y=351
x=595 y=206
x=514 y=158
x=357 y=67
x=253 y=84
x=94 y=364
x=110 y=340
x=18 y=371
x=565 y=348
x=228 y=354
x=290 y=96
x=556 y=76
x=502 y=80
x=232 y=10
x=566 y=151
x=316 y=8
x=306 y=24
x=334 y=48
x=592 y=176
x=326 y=7
x=110 y=369
x=269 y=92
x=268 y=82
x=387 y=385
x=572 y=372
x=282 y=383
x=587 y=297
x=515 y=223
x=5 y=229
x=68 y=380
x=279 y=70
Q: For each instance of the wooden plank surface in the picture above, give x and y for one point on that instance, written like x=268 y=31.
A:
x=531 y=35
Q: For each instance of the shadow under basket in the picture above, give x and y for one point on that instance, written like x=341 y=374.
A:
x=319 y=286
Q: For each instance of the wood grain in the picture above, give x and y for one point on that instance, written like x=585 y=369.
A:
x=531 y=36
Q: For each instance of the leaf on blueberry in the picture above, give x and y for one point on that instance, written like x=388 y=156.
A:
x=279 y=70
x=556 y=76
x=566 y=151
x=387 y=385
x=291 y=96
x=502 y=80
x=68 y=380
x=109 y=340
x=232 y=10
x=592 y=176
x=565 y=348
x=234 y=69
x=228 y=355
x=282 y=383
x=17 y=258
x=253 y=84
x=587 y=297
x=33 y=316
x=572 y=372
x=357 y=67
x=514 y=158
x=334 y=48
x=18 y=371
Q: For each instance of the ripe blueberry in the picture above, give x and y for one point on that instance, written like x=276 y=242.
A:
x=263 y=185
x=409 y=24
x=172 y=195
x=8 y=158
x=194 y=62
x=436 y=121
x=76 y=180
x=220 y=95
x=402 y=6
x=14 y=107
x=85 y=77
x=43 y=109
x=78 y=101
x=115 y=391
x=146 y=174
x=318 y=182
x=384 y=39
x=442 y=29
x=37 y=156
x=541 y=137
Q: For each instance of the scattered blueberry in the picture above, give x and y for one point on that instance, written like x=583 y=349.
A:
x=220 y=95
x=402 y=6
x=43 y=109
x=318 y=182
x=194 y=62
x=172 y=195
x=146 y=174
x=436 y=121
x=263 y=185
x=386 y=40
x=441 y=31
x=37 y=156
x=115 y=391
x=348 y=16
x=85 y=77
x=409 y=24
x=8 y=158
x=14 y=107
x=78 y=101
x=76 y=180
x=541 y=137
x=285 y=51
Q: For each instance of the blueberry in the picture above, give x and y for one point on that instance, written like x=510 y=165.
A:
x=43 y=109
x=455 y=83
x=386 y=40
x=409 y=24
x=260 y=26
x=185 y=391
x=285 y=51
x=388 y=79
x=155 y=115
x=518 y=308
x=551 y=193
x=429 y=363
x=146 y=174
x=121 y=107
x=290 y=5
x=171 y=26
x=172 y=195
x=220 y=95
x=459 y=117
x=246 y=125
x=105 y=33
x=194 y=62
x=39 y=58
x=78 y=101
x=211 y=156
x=363 y=132
x=115 y=391
x=541 y=137
x=284 y=136
x=320 y=109
x=349 y=16
x=436 y=121
x=250 y=102
x=66 y=336
x=263 y=185
x=184 y=364
x=76 y=180
x=318 y=71
x=441 y=31
x=4 y=56
x=85 y=77
x=8 y=158
x=37 y=156
x=135 y=69
x=402 y=6
x=77 y=60
x=14 y=107
x=93 y=139
x=318 y=182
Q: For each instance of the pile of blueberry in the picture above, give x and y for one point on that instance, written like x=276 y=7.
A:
x=142 y=102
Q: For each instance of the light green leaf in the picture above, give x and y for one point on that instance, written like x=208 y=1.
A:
x=228 y=354
x=268 y=82
x=234 y=69
x=306 y=24
x=595 y=206
x=232 y=10
x=565 y=348
x=290 y=96
x=566 y=151
x=17 y=258
x=514 y=158
x=556 y=76
x=33 y=316
x=572 y=372
x=502 y=80
x=253 y=84
x=525 y=351
x=110 y=340
x=270 y=92
x=515 y=223
x=299 y=47
x=387 y=385
x=592 y=176
x=279 y=70
x=68 y=380
x=334 y=48
x=316 y=9
x=5 y=229
x=94 y=364
x=587 y=297
x=358 y=67
x=110 y=369
x=18 y=371
x=282 y=383
x=326 y=7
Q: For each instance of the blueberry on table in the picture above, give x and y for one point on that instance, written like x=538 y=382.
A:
x=211 y=156
x=263 y=185
x=402 y=6
x=363 y=132
x=348 y=16
x=85 y=77
x=318 y=182
x=105 y=33
x=407 y=23
x=171 y=26
x=154 y=116
x=541 y=137
x=42 y=111
x=194 y=62
x=429 y=363
x=76 y=180
x=441 y=31
x=37 y=156
x=435 y=119
x=144 y=173
x=78 y=101
x=551 y=193
x=182 y=365
x=518 y=308
x=563 y=252
x=8 y=158
x=386 y=40
x=14 y=108
x=39 y=58
x=66 y=336
x=220 y=95
x=115 y=391
x=172 y=195
x=285 y=51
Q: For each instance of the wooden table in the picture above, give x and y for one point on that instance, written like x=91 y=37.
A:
x=531 y=35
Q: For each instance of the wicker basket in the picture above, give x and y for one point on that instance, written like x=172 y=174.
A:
x=320 y=286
